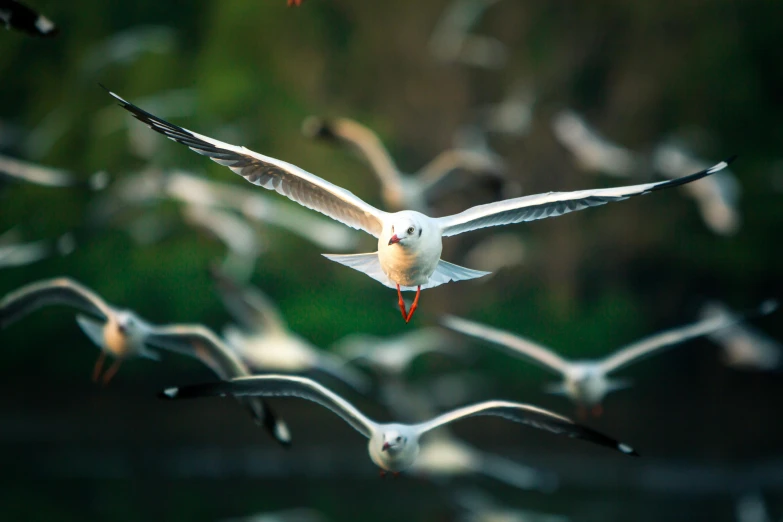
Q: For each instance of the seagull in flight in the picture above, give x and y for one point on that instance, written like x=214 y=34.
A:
x=19 y=16
x=267 y=344
x=409 y=242
x=401 y=191
x=392 y=446
x=119 y=333
x=587 y=382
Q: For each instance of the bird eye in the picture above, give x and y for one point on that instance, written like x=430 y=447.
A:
x=410 y=230
x=399 y=439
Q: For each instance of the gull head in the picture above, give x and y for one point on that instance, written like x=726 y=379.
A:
x=126 y=324
x=393 y=441
x=586 y=383
x=406 y=229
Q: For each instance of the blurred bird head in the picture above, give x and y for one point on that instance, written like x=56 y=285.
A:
x=393 y=441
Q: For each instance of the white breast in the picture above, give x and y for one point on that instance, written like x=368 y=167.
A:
x=411 y=264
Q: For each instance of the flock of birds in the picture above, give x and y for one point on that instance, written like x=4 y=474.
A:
x=255 y=361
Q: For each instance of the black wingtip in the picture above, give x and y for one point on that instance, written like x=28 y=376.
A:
x=627 y=450
x=169 y=393
x=731 y=159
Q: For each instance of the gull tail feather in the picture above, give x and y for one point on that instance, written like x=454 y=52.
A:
x=370 y=265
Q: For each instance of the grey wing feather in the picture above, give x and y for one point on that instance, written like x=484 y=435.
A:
x=512 y=344
x=550 y=204
x=273 y=174
x=251 y=307
x=530 y=416
x=62 y=291
x=279 y=386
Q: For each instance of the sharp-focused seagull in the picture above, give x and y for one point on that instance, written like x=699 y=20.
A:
x=587 y=382
x=266 y=344
x=393 y=447
x=16 y=15
x=393 y=356
x=409 y=242
x=717 y=196
x=592 y=151
x=401 y=191
x=119 y=333
x=743 y=346
x=201 y=343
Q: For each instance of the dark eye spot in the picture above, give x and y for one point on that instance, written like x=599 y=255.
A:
x=410 y=230
x=399 y=439
x=420 y=232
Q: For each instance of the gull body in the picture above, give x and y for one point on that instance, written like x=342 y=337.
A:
x=587 y=382
x=392 y=446
x=408 y=241
x=744 y=347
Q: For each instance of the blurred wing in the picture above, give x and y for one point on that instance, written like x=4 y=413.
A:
x=279 y=386
x=35 y=174
x=361 y=139
x=669 y=338
x=540 y=206
x=201 y=343
x=286 y=179
x=513 y=344
x=63 y=291
x=530 y=416
x=448 y=161
x=249 y=306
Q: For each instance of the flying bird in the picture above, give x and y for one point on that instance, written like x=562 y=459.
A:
x=20 y=17
x=24 y=172
x=587 y=382
x=401 y=191
x=118 y=333
x=267 y=344
x=393 y=447
x=409 y=242
x=452 y=41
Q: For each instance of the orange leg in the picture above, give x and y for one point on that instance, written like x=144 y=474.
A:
x=111 y=371
x=415 y=304
x=383 y=474
x=96 y=371
x=402 y=304
x=598 y=410
x=294 y=2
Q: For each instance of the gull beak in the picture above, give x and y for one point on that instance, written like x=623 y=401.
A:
x=385 y=444
x=394 y=239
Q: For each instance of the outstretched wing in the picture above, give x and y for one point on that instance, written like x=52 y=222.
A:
x=540 y=206
x=530 y=416
x=270 y=173
x=512 y=344
x=62 y=291
x=279 y=386
x=201 y=343
x=249 y=306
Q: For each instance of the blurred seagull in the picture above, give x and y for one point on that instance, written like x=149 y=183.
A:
x=400 y=191
x=743 y=346
x=513 y=116
x=126 y=46
x=717 y=197
x=586 y=382
x=268 y=345
x=496 y=252
x=201 y=343
x=393 y=447
x=15 y=253
x=119 y=333
x=478 y=507
x=451 y=40
x=409 y=243
x=18 y=16
x=592 y=151
x=393 y=356
x=46 y=176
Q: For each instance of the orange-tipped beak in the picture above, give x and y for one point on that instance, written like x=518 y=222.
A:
x=385 y=446
x=394 y=239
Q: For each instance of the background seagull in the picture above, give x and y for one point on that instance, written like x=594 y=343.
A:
x=201 y=343
x=592 y=151
x=119 y=333
x=18 y=16
x=743 y=346
x=14 y=252
x=393 y=447
x=266 y=344
x=452 y=41
x=22 y=171
x=409 y=243
x=401 y=191
x=586 y=382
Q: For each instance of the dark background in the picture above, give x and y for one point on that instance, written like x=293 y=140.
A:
x=592 y=281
